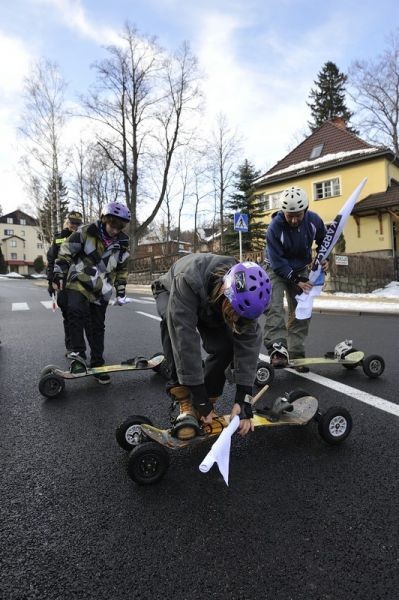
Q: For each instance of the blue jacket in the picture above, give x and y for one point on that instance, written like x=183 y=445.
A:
x=289 y=249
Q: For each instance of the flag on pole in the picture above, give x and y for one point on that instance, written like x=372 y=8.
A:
x=316 y=275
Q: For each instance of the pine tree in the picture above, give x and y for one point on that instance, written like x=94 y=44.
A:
x=242 y=201
x=328 y=98
x=47 y=214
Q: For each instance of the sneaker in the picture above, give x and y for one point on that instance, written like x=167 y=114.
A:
x=75 y=356
x=279 y=356
x=302 y=369
x=278 y=360
x=103 y=378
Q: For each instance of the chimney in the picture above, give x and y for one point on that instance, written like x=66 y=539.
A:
x=339 y=122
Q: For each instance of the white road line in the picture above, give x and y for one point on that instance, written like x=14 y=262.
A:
x=342 y=388
x=148 y=315
x=152 y=300
x=47 y=303
x=146 y=301
x=364 y=397
x=19 y=306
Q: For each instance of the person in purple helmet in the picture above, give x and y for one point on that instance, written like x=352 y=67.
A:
x=90 y=263
x=214 y=300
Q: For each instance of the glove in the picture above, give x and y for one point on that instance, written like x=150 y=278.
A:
x=58 y=280
x=246 y=407
x=200 y=399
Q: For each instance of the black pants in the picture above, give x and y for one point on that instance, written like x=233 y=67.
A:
x=82 y=315
x=217 y=342
x=62 y=302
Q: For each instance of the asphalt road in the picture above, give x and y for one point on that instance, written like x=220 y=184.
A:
x=300 y=520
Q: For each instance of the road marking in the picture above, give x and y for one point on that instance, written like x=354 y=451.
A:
x=342 y=388
x=47 y=303
x=19 y=306
x=152 y=300
x=364 y=397
x=146 y=301
x=148 y=315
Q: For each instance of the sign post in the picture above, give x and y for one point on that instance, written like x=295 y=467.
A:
x=240 y=225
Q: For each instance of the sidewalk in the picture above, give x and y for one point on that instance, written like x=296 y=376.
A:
x=356 y=304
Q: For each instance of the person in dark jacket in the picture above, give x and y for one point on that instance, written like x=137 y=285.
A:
x=210 y=298
x=289 y=240
x=90 y=263
x=73 y=220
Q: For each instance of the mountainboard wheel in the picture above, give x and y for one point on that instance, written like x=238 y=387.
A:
x=147 y=463
x=129 y=433
x=47 y=369
x=264 y=374
x=51 y=385
x=334 y=425
x=373 y=366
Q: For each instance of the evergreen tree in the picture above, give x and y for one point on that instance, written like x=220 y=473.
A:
x=327 y=100
x=242 y=201
x=38 y=264
x=47 y=214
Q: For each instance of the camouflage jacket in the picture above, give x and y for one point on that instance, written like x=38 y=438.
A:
x=90 y=267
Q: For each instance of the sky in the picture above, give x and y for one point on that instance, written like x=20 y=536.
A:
x=259 y=60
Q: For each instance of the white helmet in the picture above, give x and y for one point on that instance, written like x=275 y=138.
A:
x=294 y=200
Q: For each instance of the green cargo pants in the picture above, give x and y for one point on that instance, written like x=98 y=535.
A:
x=293 y=333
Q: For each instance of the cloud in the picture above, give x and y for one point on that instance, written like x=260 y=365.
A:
x=14 y=67
x=261 y=78
x=73 y=15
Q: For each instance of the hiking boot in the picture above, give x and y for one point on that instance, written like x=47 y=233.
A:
x=186 y=425
x=103 y=378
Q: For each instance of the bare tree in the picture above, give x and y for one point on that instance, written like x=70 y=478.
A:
x=43 y=120
x=94 y=180
x=375 y=91
x=141 y=100
x=223 y=153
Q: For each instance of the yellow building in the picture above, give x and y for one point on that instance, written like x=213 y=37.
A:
x=328 y=165
x=21 y=242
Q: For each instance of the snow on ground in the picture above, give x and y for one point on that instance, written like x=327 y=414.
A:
x=391 y=290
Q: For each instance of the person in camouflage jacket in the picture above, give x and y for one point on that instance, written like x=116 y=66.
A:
x=90 y=263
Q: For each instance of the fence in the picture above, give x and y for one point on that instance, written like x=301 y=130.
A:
x=361 y=274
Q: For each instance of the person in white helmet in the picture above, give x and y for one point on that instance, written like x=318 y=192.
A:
x=289 y=240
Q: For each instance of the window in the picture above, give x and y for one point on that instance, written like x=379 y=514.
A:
x=13 y=256
x=39 y=246
x=316 y=151
x=22 y=221
x=268 y=201
x=10 y=220
x=326 y=189
x=13 y=243
x=22 y=232
x=8 y=232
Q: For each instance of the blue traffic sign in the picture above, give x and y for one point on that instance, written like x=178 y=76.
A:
x=240 y=222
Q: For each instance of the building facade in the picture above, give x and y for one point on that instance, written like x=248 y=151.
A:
x=329 y=165
x=21 y=242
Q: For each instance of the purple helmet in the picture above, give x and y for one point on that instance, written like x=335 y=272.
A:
x=116 y=209
x=248 y=288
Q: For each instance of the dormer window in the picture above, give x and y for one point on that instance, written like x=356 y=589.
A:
x=316 y=151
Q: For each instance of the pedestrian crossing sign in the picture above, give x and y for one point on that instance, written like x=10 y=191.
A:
x=240 y=222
